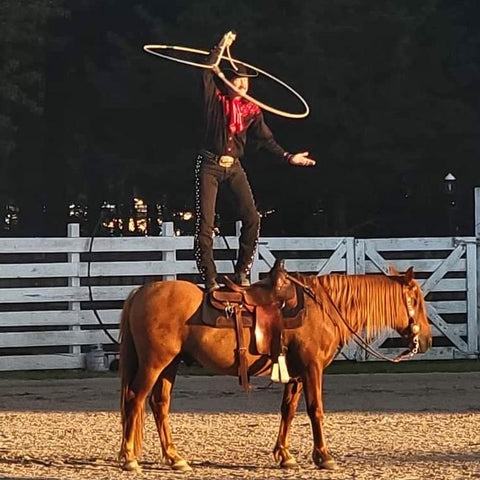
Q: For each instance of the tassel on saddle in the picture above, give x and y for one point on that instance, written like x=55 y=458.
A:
x=280 y=371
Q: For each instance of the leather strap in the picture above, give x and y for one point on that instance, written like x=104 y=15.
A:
x=241 y=351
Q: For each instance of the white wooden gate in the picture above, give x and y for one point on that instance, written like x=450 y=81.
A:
x=47 y=318
x=317 y=256
x=446 y=269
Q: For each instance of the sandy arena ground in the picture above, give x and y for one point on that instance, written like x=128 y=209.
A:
x=379 y=426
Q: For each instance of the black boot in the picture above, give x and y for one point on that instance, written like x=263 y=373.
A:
x=211 y=285
x=241 y=278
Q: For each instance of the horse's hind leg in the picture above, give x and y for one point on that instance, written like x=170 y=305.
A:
x=160 y=404
x=133 y=412
x=291 y=397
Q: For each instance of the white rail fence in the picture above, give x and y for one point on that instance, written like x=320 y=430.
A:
x=47 y=318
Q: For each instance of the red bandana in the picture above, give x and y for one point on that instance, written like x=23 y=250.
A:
x=237 y=110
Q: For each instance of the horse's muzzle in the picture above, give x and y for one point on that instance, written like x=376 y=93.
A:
x=424 y=343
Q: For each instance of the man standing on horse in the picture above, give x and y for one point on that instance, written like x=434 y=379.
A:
x=228 y=119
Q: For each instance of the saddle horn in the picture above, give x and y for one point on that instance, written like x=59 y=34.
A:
x=279 y=264
x=278 y=273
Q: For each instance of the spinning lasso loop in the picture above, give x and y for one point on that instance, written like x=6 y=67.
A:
x=153 y=50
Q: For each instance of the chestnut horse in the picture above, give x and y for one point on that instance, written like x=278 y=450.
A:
x=161 y=324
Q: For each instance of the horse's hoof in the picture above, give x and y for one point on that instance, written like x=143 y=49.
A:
x=290 y=464
x=131 y=466
x=328 y=465
x=181 y=466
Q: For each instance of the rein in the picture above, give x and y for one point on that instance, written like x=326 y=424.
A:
x=359 y=340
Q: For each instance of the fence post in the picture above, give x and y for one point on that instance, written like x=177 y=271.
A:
x=168 y=230
x=359 y=252
x=73 y=231
x=358 y=353
x=476 y=341
x=350 y=259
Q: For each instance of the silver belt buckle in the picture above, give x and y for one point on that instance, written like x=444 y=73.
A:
x=226 y=161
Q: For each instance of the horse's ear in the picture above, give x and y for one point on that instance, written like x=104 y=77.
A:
x=409 y=276
x=393 y=270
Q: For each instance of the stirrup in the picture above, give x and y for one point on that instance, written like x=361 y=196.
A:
x=211 y=286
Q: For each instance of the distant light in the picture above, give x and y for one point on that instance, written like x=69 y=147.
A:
x=108 y=206
x=266 y=213
x=449 y=184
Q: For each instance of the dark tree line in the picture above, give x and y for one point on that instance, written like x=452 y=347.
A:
x=87 y=117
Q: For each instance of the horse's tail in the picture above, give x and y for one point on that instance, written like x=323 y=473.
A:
x=128 y=368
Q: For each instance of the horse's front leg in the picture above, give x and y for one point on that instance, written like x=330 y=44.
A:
x=291 y=397
x=160 y=401
x=313 y=398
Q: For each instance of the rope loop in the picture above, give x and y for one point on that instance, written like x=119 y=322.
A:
x=153 y=49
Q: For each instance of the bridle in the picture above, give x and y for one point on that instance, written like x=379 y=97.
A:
x=414 y=327
x=337 y=318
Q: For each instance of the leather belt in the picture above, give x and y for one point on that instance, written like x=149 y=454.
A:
x=225 y=161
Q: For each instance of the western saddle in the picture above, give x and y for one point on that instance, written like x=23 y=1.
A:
x=267 y=307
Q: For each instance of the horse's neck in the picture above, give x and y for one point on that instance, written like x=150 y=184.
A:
x=369 y=304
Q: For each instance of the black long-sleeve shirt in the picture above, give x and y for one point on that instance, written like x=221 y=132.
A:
x=217 y=137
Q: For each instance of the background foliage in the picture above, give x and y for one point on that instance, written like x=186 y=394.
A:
x=87 y=117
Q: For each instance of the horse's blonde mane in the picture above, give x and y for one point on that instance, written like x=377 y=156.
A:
x=369 y=303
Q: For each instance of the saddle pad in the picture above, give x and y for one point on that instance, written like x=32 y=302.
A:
x=293 y=317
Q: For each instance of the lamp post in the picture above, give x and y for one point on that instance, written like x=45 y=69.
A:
x=449 y=187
